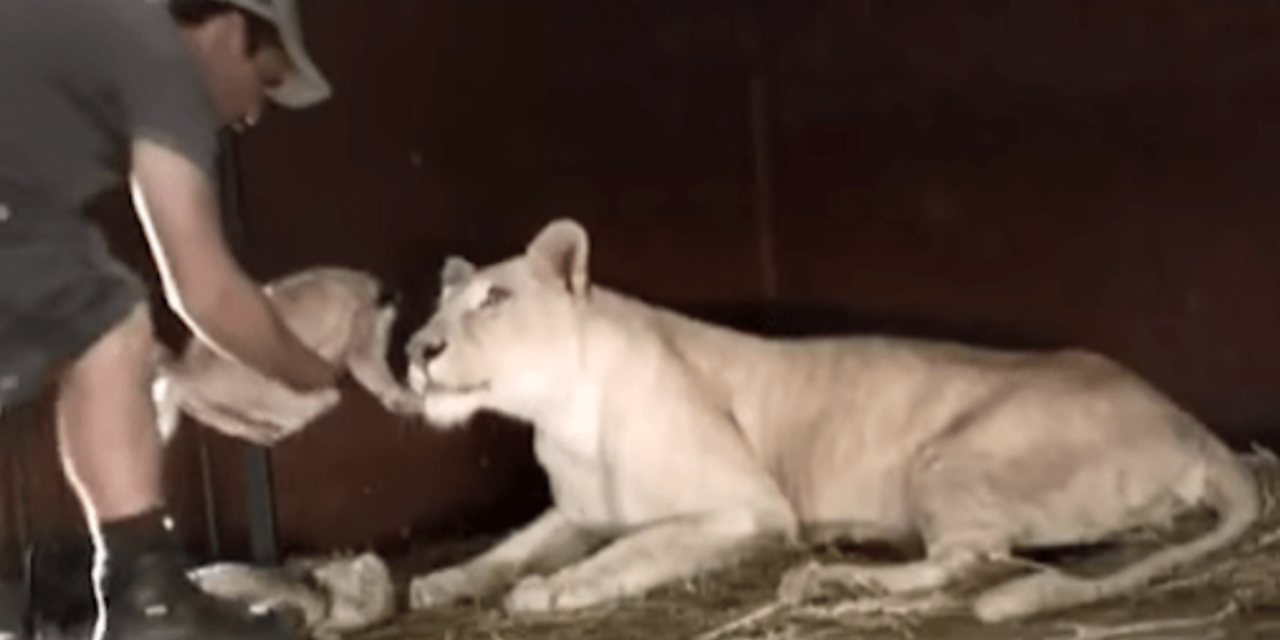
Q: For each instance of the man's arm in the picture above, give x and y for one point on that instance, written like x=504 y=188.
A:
x=203 y=282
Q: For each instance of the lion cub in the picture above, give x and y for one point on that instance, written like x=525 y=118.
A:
x=674 y=447
x=343 y=314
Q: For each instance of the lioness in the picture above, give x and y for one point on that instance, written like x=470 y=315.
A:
x=342 y=314
x=680 y=445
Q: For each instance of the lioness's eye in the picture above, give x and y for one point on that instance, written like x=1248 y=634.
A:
x=495 y=295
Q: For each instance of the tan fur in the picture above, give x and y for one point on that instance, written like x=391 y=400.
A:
x=334 y=311
x=681 y=446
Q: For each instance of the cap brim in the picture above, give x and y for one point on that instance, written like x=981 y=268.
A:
x=305 y=85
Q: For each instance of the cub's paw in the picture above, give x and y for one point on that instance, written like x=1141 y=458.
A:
x=447 y=586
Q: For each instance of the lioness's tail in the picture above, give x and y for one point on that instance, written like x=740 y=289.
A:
x=1231 y=491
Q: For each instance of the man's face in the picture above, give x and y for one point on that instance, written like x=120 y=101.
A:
x=236 y=79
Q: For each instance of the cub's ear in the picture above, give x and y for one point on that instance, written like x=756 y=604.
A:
x=561 y=247
x=456 y=272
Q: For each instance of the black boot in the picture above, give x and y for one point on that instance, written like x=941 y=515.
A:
x=59 y=589
x=149 y=596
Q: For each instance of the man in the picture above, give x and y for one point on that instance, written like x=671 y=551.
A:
x=94 y=92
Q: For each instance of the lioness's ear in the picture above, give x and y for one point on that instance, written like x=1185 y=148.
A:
x=562 y=247
x=456 y=271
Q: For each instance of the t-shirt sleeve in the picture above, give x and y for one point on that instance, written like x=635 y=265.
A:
x=159 y=90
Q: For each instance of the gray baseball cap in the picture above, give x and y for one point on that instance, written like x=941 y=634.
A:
x=306 y=86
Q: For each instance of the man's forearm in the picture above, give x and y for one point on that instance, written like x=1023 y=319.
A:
x=239 y=321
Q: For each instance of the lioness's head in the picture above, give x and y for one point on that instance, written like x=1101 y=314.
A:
x=503 y=337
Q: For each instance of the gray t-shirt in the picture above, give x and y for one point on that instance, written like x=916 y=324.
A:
x=79 y=79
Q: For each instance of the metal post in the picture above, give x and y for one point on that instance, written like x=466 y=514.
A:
x=257 y=461
x=210 y=502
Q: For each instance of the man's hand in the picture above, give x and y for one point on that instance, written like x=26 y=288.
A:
x=275 y=414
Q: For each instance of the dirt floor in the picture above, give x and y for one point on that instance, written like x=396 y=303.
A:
x=1233 y=595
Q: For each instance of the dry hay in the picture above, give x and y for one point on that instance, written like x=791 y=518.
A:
x=1235 y=594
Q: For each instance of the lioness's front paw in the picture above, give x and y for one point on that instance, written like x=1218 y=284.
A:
x=531 y=594
x=446 y=586
x=799 y=583
x=536 y=594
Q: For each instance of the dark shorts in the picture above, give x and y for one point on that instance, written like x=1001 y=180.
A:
x=60 y=290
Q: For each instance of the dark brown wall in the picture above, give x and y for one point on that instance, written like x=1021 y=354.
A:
x=1029 y=174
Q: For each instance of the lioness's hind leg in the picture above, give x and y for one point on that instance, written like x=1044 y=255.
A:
x=954 y=507
x=935 y=571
